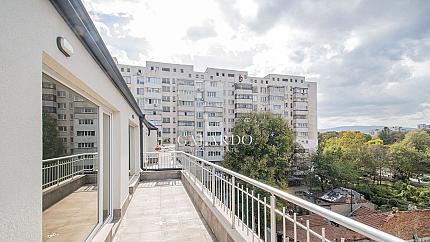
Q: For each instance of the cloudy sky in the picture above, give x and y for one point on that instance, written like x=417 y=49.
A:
x=371 y=59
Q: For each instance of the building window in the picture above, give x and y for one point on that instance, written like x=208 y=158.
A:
x=86 y=121
x=61 y=93
x=214 y=124
x=165 y=69
x=185 y=123
x=85 y=145
x=62 y=117
x=86 y=133
x=49 y=97
x=211 y=94
x=128 y=69
x=86 y=110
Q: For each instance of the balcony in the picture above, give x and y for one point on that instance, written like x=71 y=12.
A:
x=182 y=197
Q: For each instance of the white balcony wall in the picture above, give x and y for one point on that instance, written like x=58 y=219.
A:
x=28 y=48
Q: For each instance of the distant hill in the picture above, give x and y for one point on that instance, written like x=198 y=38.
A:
x=363 y=129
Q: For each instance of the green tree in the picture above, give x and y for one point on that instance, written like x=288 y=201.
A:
x=339 y=159
x=419 y=139
x=390 y=137
x=52 y=144
x=269 y=156
x=376 y=160
x=405 y=160
x=322 y=137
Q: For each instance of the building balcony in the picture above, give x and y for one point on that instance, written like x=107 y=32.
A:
x=182 y=197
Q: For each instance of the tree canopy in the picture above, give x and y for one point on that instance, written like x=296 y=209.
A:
x=52 y=145
x=269 y=156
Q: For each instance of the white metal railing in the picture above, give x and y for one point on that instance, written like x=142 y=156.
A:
x=161 y=160
x=56 y=170
x=256 y=210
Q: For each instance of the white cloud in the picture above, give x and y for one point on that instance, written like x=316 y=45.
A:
x=370 y=59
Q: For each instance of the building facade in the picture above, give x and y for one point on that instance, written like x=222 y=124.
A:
x=197 y=106
x=423 y=126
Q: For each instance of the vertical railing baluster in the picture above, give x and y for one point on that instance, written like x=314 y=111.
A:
x=265 y=219
x=295 y=227
x=238 y=205
x=272 y=218
x=222 y=195
x=284 y=227
x=243 y=218
x=58 y=172
x=252 y=215
x=247 y=211
x=308 y=235
x=233 y=201
x=213 y=186
x=259 y=220
x=323 y=234
x=203 y=182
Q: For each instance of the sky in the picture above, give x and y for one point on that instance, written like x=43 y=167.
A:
x=371 y=59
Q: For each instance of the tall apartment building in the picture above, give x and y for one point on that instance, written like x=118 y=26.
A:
x=76 y=117
x=183 y=102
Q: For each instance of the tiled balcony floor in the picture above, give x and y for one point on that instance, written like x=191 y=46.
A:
x=162 y=211
x=72 y=218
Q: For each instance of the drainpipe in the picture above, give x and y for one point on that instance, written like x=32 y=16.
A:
x=141 y=140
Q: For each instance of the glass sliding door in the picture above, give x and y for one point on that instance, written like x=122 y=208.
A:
x=70 y=165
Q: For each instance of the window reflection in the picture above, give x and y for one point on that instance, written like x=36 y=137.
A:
x=70 y=167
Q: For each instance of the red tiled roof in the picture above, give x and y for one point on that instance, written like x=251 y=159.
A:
x=406 y=224
x=375 y=220
x=363 y=211
x=403 y=224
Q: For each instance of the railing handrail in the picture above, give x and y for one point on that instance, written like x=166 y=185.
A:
x=349 y=223
x=67 y=157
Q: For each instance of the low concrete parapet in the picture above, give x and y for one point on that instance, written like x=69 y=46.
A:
x=55 y=193
x=160 y=175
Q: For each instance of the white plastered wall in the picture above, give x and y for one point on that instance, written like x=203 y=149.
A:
x=27 y=48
